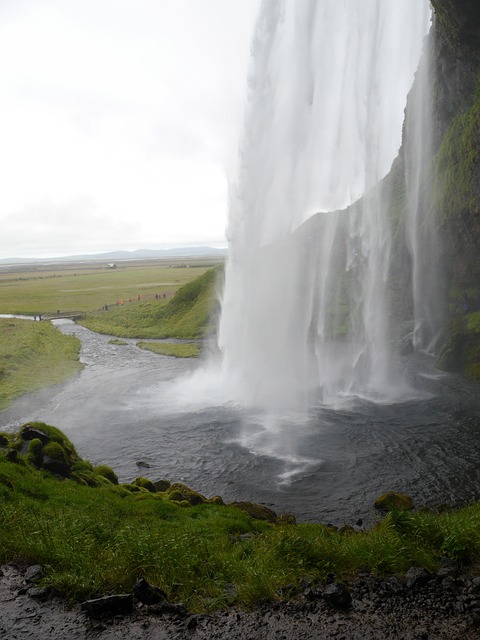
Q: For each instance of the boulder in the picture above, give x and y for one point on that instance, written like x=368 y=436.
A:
x=33 y=573
x=337 y=594
x=162 y=485
x=416 y=576
x=148 y=594
x=394 y=501
x=256 y=511
x=30 y=433
x=56 y=466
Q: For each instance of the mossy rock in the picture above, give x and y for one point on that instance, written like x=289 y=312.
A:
x=81 y=466
x=76 y=477
x=35 y=455
x=286 y=518
x=54 y=434
x=346 y=529
x=134 y=488
x=216 y=500
x=144 y=483
x=256 y=511
x=107 y=472
x=4 y=439
x=393 y=501
x=55 y=451
x=182 y=492
x=460 y=352
x=176 y=496
x=162 y=485
x=11 y=455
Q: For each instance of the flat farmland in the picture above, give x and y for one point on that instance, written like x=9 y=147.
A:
x=89 y=286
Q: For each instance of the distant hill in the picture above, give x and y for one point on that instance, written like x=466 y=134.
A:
x=139 y=254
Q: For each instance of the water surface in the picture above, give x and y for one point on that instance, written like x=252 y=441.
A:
x=125 y=407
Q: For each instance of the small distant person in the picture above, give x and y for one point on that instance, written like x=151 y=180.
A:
x=156 y=296
x=58 y=312
x=121 y=302
x=129 y=299
x=164 y=296
x=138 y=297
x=116 y=303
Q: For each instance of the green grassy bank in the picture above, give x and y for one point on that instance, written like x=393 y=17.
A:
x=33 y=355
x=93 y=536
x=188 y=314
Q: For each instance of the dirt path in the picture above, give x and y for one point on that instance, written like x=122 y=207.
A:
x=441 y=607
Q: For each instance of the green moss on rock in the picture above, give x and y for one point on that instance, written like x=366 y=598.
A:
x=184 y=493
x=106 y=472
x=394 y=501
x=256 y=511
x=144 y=483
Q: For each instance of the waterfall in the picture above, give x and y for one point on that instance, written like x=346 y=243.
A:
x=305 y=307
x=421 y=226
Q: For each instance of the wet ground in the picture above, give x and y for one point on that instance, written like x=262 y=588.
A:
x=441 y=608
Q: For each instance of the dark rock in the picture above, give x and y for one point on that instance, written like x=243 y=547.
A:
x=11 y=455
x=108 y=606
x=56 y=466
x=33 y=573
x=142 y=464
x=162 y=485
x=416 y=576
x=346 y=528
x=30 y=433
x=147 y=594
x=192 y=623
x=337 y=595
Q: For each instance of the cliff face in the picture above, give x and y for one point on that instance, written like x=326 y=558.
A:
x=455 y=202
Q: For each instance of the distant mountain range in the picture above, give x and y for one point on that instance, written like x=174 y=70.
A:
x=139 y=254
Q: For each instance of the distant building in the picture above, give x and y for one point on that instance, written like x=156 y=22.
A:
x=111 y=265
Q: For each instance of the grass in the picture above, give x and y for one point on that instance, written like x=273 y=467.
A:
x=187 y=315
x=100 y=539
x=176 y=349
x=33 y=355
x=89 y=287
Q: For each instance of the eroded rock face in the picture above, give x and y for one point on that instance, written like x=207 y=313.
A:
x=461 y=20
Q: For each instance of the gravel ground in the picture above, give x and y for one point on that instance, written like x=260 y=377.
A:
x=418 y=606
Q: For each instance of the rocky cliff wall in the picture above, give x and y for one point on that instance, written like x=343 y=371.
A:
x=455 y=201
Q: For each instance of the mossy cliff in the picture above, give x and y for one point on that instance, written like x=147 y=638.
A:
x=449 y=187
x=456 y=185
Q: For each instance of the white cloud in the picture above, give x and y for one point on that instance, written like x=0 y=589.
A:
x=118 y=120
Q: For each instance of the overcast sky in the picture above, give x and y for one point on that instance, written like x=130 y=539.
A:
x=119 y=122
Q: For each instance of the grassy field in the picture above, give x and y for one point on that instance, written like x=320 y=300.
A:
x=89 y=287
x=33 y=355
x=188 y=314
x=101 y=538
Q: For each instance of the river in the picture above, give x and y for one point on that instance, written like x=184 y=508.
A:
x=127 y=407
